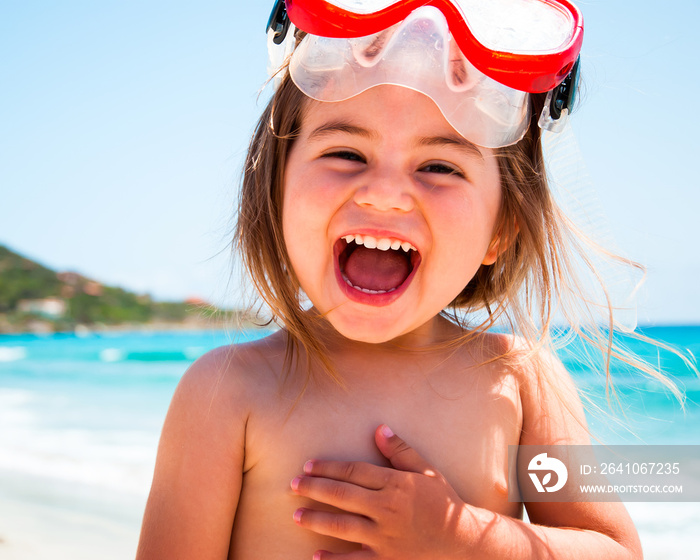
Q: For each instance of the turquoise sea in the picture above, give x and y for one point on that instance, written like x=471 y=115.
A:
x=80 y=418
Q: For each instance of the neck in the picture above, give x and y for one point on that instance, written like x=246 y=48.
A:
x=426 y=352
x=437 y=332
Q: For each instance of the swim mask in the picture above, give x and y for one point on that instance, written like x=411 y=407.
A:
x=476 y=60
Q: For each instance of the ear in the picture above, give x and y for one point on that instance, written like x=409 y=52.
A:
x=500 y=243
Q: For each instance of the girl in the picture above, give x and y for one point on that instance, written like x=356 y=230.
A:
x=394 y=208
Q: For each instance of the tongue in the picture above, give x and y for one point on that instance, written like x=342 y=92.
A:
x=377 y=270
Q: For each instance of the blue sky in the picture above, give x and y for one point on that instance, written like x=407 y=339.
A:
x=123 y=127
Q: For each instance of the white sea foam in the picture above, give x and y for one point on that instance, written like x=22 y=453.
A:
x=30 y=443
x=14 y=397
x=121 y=461
x=194 y=352
x=12 y=353
x=111 y=355
x=13 y=408
x=667 y=530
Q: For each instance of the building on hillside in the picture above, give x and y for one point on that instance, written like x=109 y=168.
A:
x=92 y=288
x=53 y=308
x=70 y=278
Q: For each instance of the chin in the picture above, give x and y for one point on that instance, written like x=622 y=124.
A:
x=368 y=328
x=367 y=337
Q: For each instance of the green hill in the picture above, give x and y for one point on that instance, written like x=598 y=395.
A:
x=32 y=294
x=21 y=278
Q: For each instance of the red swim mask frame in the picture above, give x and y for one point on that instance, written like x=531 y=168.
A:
x=529 y=71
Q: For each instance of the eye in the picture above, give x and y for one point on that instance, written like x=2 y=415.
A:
x=442 y=169
x=346 y=155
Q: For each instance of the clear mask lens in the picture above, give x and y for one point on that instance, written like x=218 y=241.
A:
x=418 y=53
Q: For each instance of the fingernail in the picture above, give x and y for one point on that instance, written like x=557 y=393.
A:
x=297 y=515
x=386 y=431
x=317 y=556
x=308 y=467
x=295 y=483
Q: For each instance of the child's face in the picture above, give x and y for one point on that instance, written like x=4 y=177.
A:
x=386 y=164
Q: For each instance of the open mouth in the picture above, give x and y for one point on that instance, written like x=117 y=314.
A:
x=376 y=266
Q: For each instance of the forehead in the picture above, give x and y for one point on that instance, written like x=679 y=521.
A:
x=386 y=110
x=386 y=114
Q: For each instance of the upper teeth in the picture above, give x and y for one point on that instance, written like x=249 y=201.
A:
x=383 y=243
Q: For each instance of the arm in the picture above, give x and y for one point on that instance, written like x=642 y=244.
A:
x=197 y=480
x=412 y=512
x=553 y=415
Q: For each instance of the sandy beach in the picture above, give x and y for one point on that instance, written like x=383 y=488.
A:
x=42 y=518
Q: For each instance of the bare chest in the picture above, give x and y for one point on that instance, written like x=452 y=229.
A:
x=463 y=433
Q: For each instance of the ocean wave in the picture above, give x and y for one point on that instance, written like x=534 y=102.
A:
x=667 y=530
x=194 y=352
x=13 y=397
x=13 y=407
x=118 y=460
x=111 y=355
x=12 y=353
x=189 y=354
x=158 y=356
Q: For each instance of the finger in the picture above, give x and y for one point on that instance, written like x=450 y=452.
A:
x=343 y=495
x=401 y=455
x=364 y=554
x=341 y=525
x=360 y=473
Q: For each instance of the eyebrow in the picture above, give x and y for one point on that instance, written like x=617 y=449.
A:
x=341 y=126
x=452 y=140
x=346 y=127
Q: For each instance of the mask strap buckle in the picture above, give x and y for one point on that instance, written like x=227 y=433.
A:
x=560 y=101
x=279 y=22
x=280 y=39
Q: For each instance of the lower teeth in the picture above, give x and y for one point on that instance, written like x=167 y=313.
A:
x=365 y=290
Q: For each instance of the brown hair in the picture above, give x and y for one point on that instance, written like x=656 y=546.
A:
x=258 y=235
x=533 y=277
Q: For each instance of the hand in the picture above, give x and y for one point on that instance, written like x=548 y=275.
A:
x=406 y=512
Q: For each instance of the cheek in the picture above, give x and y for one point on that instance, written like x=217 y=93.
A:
x=296 y=236
x=303 y=214
x=305 y=220
x=291 y=230
x=467 y=224
x=464 y=230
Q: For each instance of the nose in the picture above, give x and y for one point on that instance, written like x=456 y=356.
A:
x=386 y=191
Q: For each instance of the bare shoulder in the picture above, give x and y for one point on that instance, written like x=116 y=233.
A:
x=552 y=412
x=552 y=409
x=235 y=373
